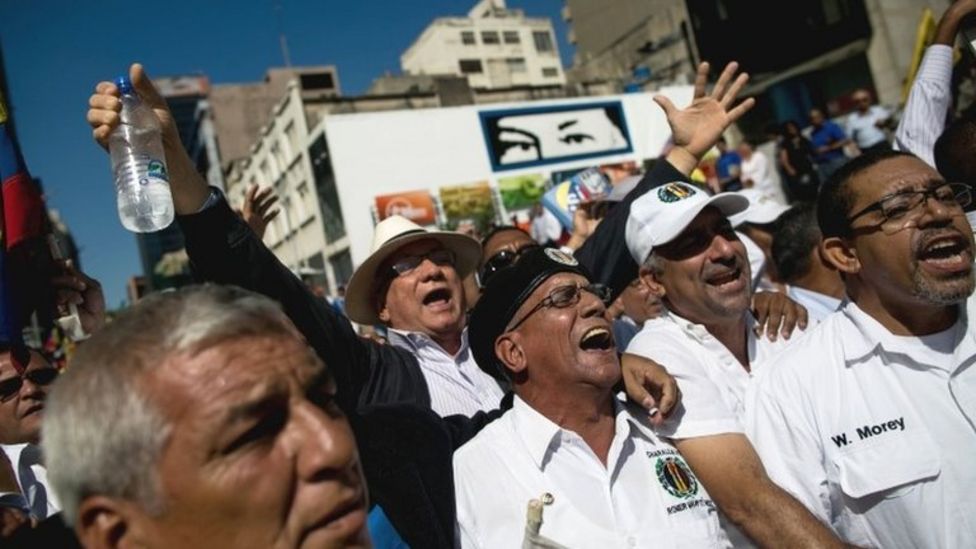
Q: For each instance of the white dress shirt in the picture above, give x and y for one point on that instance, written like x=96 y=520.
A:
x=713 y=383
x=546 y=227
x=863 y=128
x=455 y=382
x=645 y=495
x=873 y=432
x=928 y=102
x=756 y=169
x=32 y=478
x=818 y=305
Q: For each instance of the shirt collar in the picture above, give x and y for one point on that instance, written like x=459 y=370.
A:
x=869 y=335
x=413 y=341
x=537 y=432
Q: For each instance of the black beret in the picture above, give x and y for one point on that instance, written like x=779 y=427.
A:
x=505 y=292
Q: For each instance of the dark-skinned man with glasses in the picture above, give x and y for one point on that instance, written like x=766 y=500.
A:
x=868 y=420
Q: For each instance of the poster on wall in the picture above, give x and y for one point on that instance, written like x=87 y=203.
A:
x=537 y=136
x=468 y=208
x=520 y=192
x=417 y=206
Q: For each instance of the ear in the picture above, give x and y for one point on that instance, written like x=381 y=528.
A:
x=839 y=254
x=109 y=523
x=508 y=348
x=650 y=281
x=384 y=314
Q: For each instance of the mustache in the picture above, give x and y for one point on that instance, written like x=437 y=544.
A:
x=925 y=237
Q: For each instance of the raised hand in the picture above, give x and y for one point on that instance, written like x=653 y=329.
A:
x=697 y=127
x=72 y=286
x=257 y=210
x=190 y=192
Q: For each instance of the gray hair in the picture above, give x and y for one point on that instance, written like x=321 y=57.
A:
x=653 y=263
x=101 y=433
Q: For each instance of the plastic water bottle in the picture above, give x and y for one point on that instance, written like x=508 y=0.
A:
x=139 y=166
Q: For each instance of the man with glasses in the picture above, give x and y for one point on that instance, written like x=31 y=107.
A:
x=604 y=478
x=25 y=377
x=868 y=420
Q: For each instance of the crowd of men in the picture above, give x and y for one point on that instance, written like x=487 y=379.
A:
x=692 y=369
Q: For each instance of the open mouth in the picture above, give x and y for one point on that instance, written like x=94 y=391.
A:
x=597 y=339
x=946 y=253
x=724 y=277
x=439 y=296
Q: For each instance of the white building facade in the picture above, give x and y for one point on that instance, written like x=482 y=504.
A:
x=493 y=46
x=300 y=236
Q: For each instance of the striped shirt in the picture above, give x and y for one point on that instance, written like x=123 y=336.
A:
x=456 y=384
x=924 y=117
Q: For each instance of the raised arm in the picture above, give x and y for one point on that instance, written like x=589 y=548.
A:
x=928 y=102
x=223 y=249
x=695 y=130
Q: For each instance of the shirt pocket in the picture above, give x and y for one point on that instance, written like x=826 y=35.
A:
x=886 y=469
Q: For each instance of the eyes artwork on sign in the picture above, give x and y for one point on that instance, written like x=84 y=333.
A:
x=518 y=138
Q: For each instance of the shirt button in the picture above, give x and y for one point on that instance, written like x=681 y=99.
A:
x=631 y=541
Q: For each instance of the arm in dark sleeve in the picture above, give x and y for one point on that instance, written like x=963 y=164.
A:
x=605 y=252
x=224 y=250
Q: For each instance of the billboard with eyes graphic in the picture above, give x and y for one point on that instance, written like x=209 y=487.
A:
x=536 y=136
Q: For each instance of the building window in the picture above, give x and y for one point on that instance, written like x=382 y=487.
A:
x=550 y=72
x=467 y=38
x=470 y=66
x=489 y=37
x=291 y=142
x=317 y=81
x=511 y=37
x=516 y=64
x=543 y=41
x=335 y=226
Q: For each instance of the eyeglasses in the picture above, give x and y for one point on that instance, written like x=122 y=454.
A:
x=903 y=209
x=406 y=264
x=501 y=260
x=11 y=386
x=566 y=296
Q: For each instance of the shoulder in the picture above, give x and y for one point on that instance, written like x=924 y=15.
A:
x=803 y=361
x=483 y=447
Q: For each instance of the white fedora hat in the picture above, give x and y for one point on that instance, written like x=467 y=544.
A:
x=390 y=235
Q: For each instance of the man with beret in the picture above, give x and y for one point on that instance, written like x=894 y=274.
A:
x=606 y=479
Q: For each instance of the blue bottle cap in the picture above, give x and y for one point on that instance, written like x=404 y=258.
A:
x=124 y=85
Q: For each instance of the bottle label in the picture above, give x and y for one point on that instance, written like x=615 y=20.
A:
x=156 y=170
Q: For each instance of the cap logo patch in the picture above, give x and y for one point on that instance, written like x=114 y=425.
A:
x=673 y=192
x=561 y=257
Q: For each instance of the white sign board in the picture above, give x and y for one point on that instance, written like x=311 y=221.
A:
x=391 y=152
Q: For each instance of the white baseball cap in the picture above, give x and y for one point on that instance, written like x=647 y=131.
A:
x=661 y=214
x=763 y=208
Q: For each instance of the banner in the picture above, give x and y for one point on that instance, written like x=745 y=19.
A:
x=417 y=206
x=468 y=206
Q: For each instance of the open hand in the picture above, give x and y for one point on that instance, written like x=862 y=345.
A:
x=697 y=127
x=258 y=211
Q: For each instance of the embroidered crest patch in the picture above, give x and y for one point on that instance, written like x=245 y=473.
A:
x=561 y=257
x=673 y=192
x=675 y=476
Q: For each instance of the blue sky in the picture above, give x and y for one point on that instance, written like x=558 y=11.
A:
x=56 y=51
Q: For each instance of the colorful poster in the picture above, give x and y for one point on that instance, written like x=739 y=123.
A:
x=417 y=206
x=536 y=136
x=521 y=191
x=586 y=186
x=469 y=207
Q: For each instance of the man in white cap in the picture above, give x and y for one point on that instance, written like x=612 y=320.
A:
x=691 y=257
x=411 y=282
